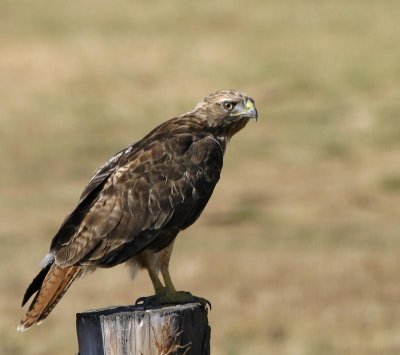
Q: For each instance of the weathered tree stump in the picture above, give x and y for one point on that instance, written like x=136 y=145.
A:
x=177 y=329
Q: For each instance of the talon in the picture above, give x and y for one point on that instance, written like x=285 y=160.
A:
x=209 y=304
x=204 y=302
x=140 y=300
x=146 y=301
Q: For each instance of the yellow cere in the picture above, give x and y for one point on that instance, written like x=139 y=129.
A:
x=249 y=104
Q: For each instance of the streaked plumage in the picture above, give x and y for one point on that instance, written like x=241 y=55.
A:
x=136 y=204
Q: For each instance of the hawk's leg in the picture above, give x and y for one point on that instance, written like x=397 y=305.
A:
x=158 y=286
x=167 y=279
x=168 y=295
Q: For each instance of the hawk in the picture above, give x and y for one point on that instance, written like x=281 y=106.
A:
x=133 y=208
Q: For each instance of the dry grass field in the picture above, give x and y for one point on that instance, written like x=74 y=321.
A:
x=298 y=249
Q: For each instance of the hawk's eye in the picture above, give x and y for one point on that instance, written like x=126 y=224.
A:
x=228 y=105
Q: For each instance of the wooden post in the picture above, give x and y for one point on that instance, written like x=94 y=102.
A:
x=176 y=329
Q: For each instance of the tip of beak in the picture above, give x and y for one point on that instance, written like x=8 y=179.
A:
x=253 y=114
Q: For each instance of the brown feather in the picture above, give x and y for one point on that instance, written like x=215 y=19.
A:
x=55 y=284
x=142 y=198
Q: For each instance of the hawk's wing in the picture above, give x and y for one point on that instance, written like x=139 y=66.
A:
x=159 y=189
x=71 y=223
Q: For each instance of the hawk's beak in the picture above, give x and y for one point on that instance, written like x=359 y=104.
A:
x=251 y=110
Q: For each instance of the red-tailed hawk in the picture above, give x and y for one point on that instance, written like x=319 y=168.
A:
x=136 y=204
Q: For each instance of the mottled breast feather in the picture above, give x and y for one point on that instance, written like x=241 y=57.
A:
x=141 y=199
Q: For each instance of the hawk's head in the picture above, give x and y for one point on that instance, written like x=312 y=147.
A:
x=226 y=112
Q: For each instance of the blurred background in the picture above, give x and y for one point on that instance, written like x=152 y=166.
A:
x=298 y=250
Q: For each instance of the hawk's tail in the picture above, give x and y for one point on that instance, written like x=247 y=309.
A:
x=50 y=284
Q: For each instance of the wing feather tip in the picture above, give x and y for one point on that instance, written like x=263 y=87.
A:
x=26 y=324
x=21 y=328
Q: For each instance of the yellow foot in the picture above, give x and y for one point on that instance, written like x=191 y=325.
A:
x=169 y=298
